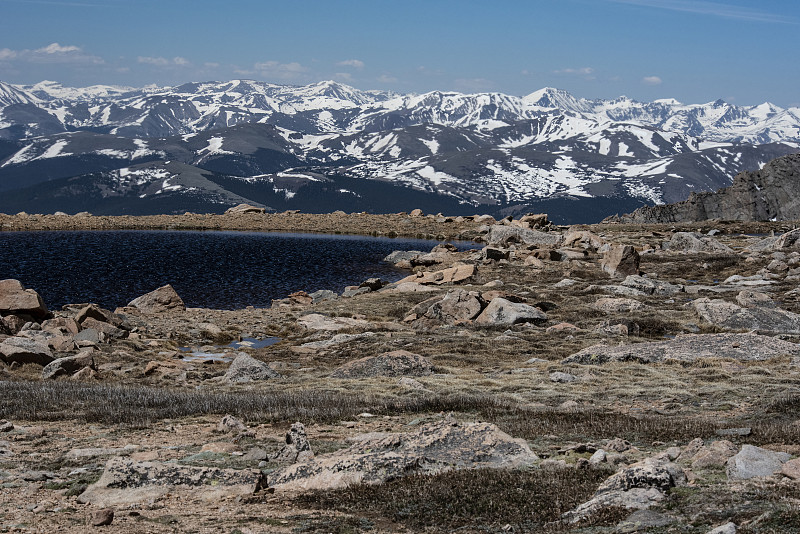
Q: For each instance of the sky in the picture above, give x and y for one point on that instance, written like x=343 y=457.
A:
x=744 y=52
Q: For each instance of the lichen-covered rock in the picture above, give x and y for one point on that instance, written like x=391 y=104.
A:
x=68 y=365
x=394 y=363
x=245 y=368
x=694 y=243
x=636 y=488
x=501 y=235
x=125 y=481
x=731 y=316
x=163 y=299
x=296 y=448
x=433 y=448
x=456 y=307
x=689 y=348
x=500 y=312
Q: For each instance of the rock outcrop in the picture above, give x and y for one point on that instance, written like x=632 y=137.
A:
x=16 y=300
x=394 y=363
x=434 y=448
x=163 y=299
x=773 y=193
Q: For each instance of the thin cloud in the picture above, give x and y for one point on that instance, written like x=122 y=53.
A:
x=385 y=78
x=652 y=80
x=292 y=72
x=162 y=61
x=715 y=9
x=52 y=53
x=584 y=71
x=355 y=63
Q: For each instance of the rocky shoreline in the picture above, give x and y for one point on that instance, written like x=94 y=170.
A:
x=653 y=370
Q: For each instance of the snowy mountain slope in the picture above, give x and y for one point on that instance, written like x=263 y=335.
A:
x=295 y=146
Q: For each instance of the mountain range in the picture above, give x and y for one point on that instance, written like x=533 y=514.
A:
x=327 y=146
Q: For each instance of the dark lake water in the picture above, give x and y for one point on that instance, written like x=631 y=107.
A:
x=224 y=270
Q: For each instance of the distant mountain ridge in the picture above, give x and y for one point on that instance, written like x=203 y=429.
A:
x=467 y=151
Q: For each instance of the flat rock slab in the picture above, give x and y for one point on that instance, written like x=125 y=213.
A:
x=433 y=448
x=501 y=311
x=731 y=316
x=688 y=348
x=24 y=350
x=163 y=299
x=316 y=321
x=15 y=299
x=452 y=275
x=126 y=481
x=394 y=363
x=752 y=462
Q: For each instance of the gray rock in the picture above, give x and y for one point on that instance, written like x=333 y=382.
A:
x=323 y=294
x=125 y=481
x=689 y=348
x=504 y=312
x=620 y=260
x=316 y=321
x=456 y=306
x=296 y=448
x=68 y=365
x=23 y=350
x=643 y=521
x=394 y=363
x=562 y=378
x=731 y=316
x=694 y=243
x=432 y=448
x=15 y=299
x=163 y=299
x=502 y=236
x=244 y=208
x=352 y=291
x=617 y=305
x=727 y=528
x=648 y=286
x=788 y=241
x=245 y=368
x=402 y=255
x=753 y=462
x=88 y=334
x=636 y=488
x=768 y=194
x=748 y=298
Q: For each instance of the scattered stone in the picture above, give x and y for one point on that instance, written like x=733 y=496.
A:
x=399 y=256
x=727 y=528
x=394 y=363
x=323 y=294
x=743 y=431
x=562 y=378
x=102 y=518
x=297 y=447
x=453 y=275
x=504 y=312
x=231 y=425
x=125 y=481
x=791 y=469
x=337 y=339
x=6 y=426
x=598 y=457
x=433 y=448
x=644 y=521
x=163 y=299
x=689 y=348
x=748 y=298
x=648 y=286
x=565 y=328
x=620 y=260
x=636 y=487
x=694 y=243
x=617 y=305
x=753 y=462
x=245 y=368
x=456 y=307
x=16 y=300
x=502 y=236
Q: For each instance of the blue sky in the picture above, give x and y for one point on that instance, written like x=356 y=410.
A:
x=745 y=52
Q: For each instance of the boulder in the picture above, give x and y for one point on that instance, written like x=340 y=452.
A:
x=635 y=488
x=244 y=208
x=583 y=239
x=620 y=260
x=787 y=241
x=15 y=299
x=452 y=275
x=433 y=448
x=689 y=348
x=752 y=462
x=715 y=454
x=694 y=243
x=402 y=256
x=394 y=363
x=501 y=312
x=728 y=315
x=649 y=286
x=502 y=236
x=163 y=299
x=323 y=294
x=125 y=481
x=245 y=368
x=296 y=448
x=617 y=305
x=456 y=307
x=24 y=350
x=68 y=365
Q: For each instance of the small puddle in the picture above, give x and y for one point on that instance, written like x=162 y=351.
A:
x=227 y=351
